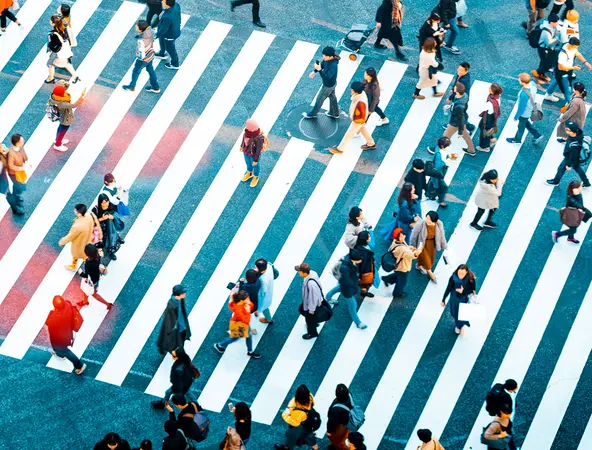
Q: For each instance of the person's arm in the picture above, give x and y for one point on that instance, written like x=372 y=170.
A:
x=73 y=234
x=12 y=167
x=494 y=432
x=573 y=202
x=375 y=99
x=141 y=49
x=460 y=118
x=448 y=291
x=573 y=156
x=571 y=110
x=163 y=28
x=523 y=98
x=257 y=147
x=328 y=71
x=581 y=58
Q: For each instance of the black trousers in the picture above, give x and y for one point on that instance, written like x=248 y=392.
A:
x=546 y=60
x=6 y=14
x=393 y=35
x=577 y=168
x=255 y=4
x=311 y=324
x=480 y=212
x=569 y=5
x=154 y=9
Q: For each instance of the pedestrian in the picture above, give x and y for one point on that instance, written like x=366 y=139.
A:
x=186 y=420
x=146 y=444
x=432 y=28
x=242 y=423
x=437 y=187
x=144 y=56
x=547 y=48
x=459 y=119
x=61 y=99
x=327 y=70
x=461 y=10
x=408 y=209
x=64 y=12
x=338 y=418
x=256 y=6
x=5 y=13
x=253 y=144
x=296 y=415
x=526 y=104
x=312 y=297
x=175 y=438
x=153 y=14
x=428 y=234
x=251 y=284
x=241 y=306
x=574 y=111
x=462 y=76
x=16 y=161
x=501 y=394
x=4 y=185
x=267 y=275
x=461 y=285
x=169 y=29
x=366 y=269
x=564 y=70
x=61 y=323
x=428 y=65
x=80 y=234
x=348 y=285
x=558 y=4
x=58 y=44
x=536 y=11
x=358 y=113
x=112 y=441
x=388 y=24
x=500 y=430
x=489 y=117
x=404 y=255
x=447 y=11
x=428 y=442
x=93 y=269
x=183 y=373
x=575 y=202
x=417 y=177
x=356 y=441
x=489 y=190
x=372 y=90
x=570 y=27
x=571 y=155
x=175 y=329
x=111 y=223
x=356 y=223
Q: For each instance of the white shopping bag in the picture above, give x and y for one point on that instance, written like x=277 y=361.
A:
x=75 y=90
x=471 y=312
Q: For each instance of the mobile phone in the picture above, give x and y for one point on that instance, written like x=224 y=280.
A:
x=317 y=61
x=230 y=406
x=230 y=286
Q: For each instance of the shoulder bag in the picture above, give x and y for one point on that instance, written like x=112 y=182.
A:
x=537 y=112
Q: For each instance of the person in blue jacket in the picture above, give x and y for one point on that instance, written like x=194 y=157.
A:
x=526 y=100
x=437 y=187
x=409 y=209
x=169 y=29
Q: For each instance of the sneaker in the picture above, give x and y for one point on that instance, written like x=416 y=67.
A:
x=254 y=355
x=368 y=147
x=264 y=320
x=52 y=81
x=466 y=150
x=476 y=226
x=431 y=150
x=331 y=115
x=170 y=66
x=418 y=97
x=113 y=257
x=160 y=56
x=219 y=349
x=385 y=282
x=382 y=122
x=454 y=50
x=422 y=270
x=254 y=182
x=309 y=116
x=538 y=140
x=552 y=182
x=573 y=241
x=586 y=184
x=82 y=369
x=259 y=24
x=65 y=141
x=127 y=87
x=71 y=267
x=554 y=236
x=368 y=294
x=438 y=94
x=157 y=404
x=151 y=89
x=335 y=151
x=307 y=336
x=490 y=224
x=379 y=46
x=561 y=140
x=513 y=140
x=247 y=176
x=551 y=98
x=60 y=148
x=362 y=326
x=481 y=149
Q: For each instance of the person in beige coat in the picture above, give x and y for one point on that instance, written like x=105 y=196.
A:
x=80 y=234
x=574 y=111
x=489 y=191
x=427 y=65
x=429 y=234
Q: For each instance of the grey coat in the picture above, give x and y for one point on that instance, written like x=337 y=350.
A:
x=311 y=292
x=576 y=112
x=420 y=232
x=488 y=195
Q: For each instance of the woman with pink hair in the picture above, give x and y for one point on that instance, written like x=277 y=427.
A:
x=253 y=144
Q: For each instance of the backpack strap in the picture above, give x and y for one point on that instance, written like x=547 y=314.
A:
x=342 y=406
x=189 y=414
x=320 y=288
x=527 y=91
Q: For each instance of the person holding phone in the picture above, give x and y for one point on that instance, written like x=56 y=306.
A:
x=327 y=69
x=242 y=424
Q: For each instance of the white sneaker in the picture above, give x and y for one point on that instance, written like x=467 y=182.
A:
x=551 y=98
x=61 y=148
x=65 y=141
x=383 y=122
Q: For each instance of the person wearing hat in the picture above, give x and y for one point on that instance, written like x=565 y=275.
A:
x=548 y=43
x=60 y=98
x=256 y=6
x=327 y=69
x=175 y=329
x=571 y=155
x=404 y=255
x=252 y=145
x=312 y=297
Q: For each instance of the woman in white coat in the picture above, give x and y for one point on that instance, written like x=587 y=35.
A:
x=429 y=234
x=489 y=191
x=355 y=225
x=428 y=75
x=268 y=274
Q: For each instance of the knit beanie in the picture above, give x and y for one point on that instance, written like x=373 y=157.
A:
x=59 y=91
x=251 y=125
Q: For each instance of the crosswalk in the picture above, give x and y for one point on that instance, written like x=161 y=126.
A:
x=331 y=196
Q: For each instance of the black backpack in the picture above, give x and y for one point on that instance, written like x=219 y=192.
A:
x=313 y=420
x=535 y=35
x=53 y=42
x=495 y=398
x=542 y=4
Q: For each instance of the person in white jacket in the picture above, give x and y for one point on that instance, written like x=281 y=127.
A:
x=355 y=224
x=489 y=191
x=268 y=273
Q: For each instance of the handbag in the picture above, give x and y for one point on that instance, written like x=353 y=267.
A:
x=537 y=112
x=571 y=217
x=87 y=286
x=499 y=444
x=15 y=5
x=21 y=176
x=490 y=132
x=238 y=329
x=367 y=278
x=123 y=210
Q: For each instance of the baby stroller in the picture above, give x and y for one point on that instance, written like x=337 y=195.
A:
x=354 y=39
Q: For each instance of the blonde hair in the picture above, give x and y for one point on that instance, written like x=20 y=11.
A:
x=524 y=77
x=573 y=16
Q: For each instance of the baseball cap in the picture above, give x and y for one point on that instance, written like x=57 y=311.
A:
x=179 y=289
x=304 y=267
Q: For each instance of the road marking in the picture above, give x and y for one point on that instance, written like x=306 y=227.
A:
x=586 y=441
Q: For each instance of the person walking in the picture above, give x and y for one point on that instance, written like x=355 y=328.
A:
x=574 y=111
x=464 y=77
x=144 y=56
x=252 y=145
x=61 y=99
x=338 y=418
x=153 y=14
x=112 y=441
x=417 y=177
x=312 y=297
x=58 y=44
x=437 y=187
x=256 y=7
x=500 y=430
x=61 y=323
x=428 y=442
x=565 y=68
x=575 y=203
x=80 y=234
x=461 y=284
x=536 y=11
x=459 y=119
x=489 y=190
x=169 y=29
x=489 y=117
x=64 y=12
x=428 y=65
x=547 y=45
x=388 y=24
x=429 y=235
x=558 y=4
x=267 y=274
x=111 y=224
x=356 y=223
x=447 y=11
x=404 y=255
x=367 y=268
x=93 y=269
x=409 y=209
x=175 y=329
x=358 y=113
x=356 y=441
x=296 y=415
x=5 y=13
x=327 y=70
x=461 y=10
x=16 y=159
x=571 y=155
x=432 y=28
x=242 y=424
x=372 y=90
x=183 y=374
x=251 y=284
x=348 y=285
x=526 y=103
x=241 y=307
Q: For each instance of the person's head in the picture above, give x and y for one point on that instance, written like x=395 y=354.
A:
x=357 y=440
x=406 y=193
x=572 y=129
x=103 y=201
x=251 y=276
x=80 y=209
x=490 y=177
x=242 y=412
x=64 y=10
x=495 y=89
x=146 y=444
x=399 y=235
x=363 y=238
x=58 y=302
x=240 y=296
x=112 y=440
x=179 y=292
x=261 y=265
x=17 y=140
x=524 y=79
x=57 y=23
x=302 y=269
x=166 y=4
x=505 y=411
x=355 y=256
x=431 y=217
x=510 y=385
x=460 y=89
x=463 y=271
x=370 y=75
x=572 y=16
x=355 y=215
x=434 y=18
x=181 y=356
x=580 y=89
x=418 y=165
x=443 y=142
x=302 y=395
x=341 y=393
x=328 y=53
x=141 y=26
x=574 y=188
x=429 y=45
x=356 y=88
x=91 y=252
x=463 y=68
x=553 y=20
x=108 y=179
x=179 y=400
x=573 y=43
x=251 y=125
x=60 y=92
x=424 y=435
x=170 y=427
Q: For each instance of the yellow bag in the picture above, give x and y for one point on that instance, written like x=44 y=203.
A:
x=238 y=329
x=20 y=176
x=564 y=108
x=265 y=143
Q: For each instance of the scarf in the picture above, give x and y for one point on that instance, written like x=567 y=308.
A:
x=249 y=135
x=397 y=13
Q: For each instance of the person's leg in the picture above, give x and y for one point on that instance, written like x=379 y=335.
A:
x=522 y=121
x=62 y=130
x=566 y=232
x=152 y=75
x=484 y=141
x=367 y=135
x=226 y=342
x=267 y=314
x=352 y=308
x=172 y=51
x=540 y=13
x=566 y=87
x=333 y=104
x=256 y=7
x=8 y=14
x=311 y=324
x=551 y=88
x=400 y=284
x=391 y=278
x=582 y=173
x=101 y=299
x=417 y=91
x=250 y=342
x=332 y=292
x=16 y=199
x=154 y=11
x=249 y=162
x=453 y=33
x=556 y=8
x=449 y=131
x=353 y=129
x=138 y=66
x=51 y=73
x=469 y=141
x=3 y=20
x=65 y=352
x=162 y=52
x=489 y=220
x=324 y=93
x=256 y=167
x=530 y=127
x=532 y=18
x=380 y=112
x=478 y=215
x=560 y=171
x=569 y=5
x=543 y=57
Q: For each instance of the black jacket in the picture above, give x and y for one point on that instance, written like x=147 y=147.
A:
x=328 y=72
x=348 y=281
x=425 y=32
x=447 y=9
x=181 y=377
x=91 y=268
x=384 y=14
x=471 y=287
x=572 y=149
x=458 y=113
x=337 y=415
x=367 y=264
x=169 y=338
x=466 y=80
x=577 y=201
x=417 y=179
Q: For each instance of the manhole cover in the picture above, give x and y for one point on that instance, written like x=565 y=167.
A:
x=322 y=127
x=323 y=131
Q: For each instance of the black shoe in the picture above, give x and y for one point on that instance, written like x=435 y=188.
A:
x=476 y=226
x=232 y=6
x=259 y=24
x=553 y=182
x=151 y=89
x=332 y=116
x=52 y=81
x=159 y=55
x=402 y=57
x=368 y=294
x=379 y=46
x=309 y=336
x=386 y=283
x=466 y=150
x=587 y=184
x=120 y=240
x=76 y=80
x=254 y=355
x=112 y=256
x=157 y=404
x=490 y=224
x=397 y=297
x=513 y=140
x=170 y=66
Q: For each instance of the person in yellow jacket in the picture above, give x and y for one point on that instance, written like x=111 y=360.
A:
x=294 y=415
x=80 y=234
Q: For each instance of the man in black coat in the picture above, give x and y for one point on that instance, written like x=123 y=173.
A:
x=571 y=155
x=174 y=330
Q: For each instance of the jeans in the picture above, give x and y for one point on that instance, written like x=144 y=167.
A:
x=62 y=130
x=252 y=167
x=154 y=10
x=533 y=16
x=168 y=46
x=563 y=167
x=563 y=83
x=326 y=92
x=525 y=123
x=480 y=212
x=255 y=4
x=65 y=352
x=352 y=306
x=226 y=342
x=570 y=232
x=380 y=112
x=15 y=198
x=453 y=32
x=138 y=66
x=400 y=283
x=267 y=314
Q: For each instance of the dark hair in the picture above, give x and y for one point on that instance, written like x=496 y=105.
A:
x=357 y=440
x=178 y=399
x=574 y=41
x=460 y=88
x=170 y=427
x=65 y=9
x=465 y=65
x=444 y=142
x=510 y=384
x=496 y=89
x=142 y=25
x=424 y=435
x=251 y=276
x=170 y=2
x=90 y=250
x=242 y=411
x=573 y=185
x=146 y=444
x=357 y=87
x=418 y=164
x=328 y=51
x=81 y=208
x=108 y=178
x=354 y=213
x=433 y=215
x=371 y=71
x=240 y=296
x=581 y=88
x=429 y=45
x=355 y=255
x=102 y=198
x=58 y=24
x=112 y=438
x=363 y=238
x=15 y=138
x=182 y=356
x=469 y=273
x=506 y=408
x=434 y=17
x=302 y=395
x=405 y=194
x=489 y=175
x=342 y=393
x=261 y=264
